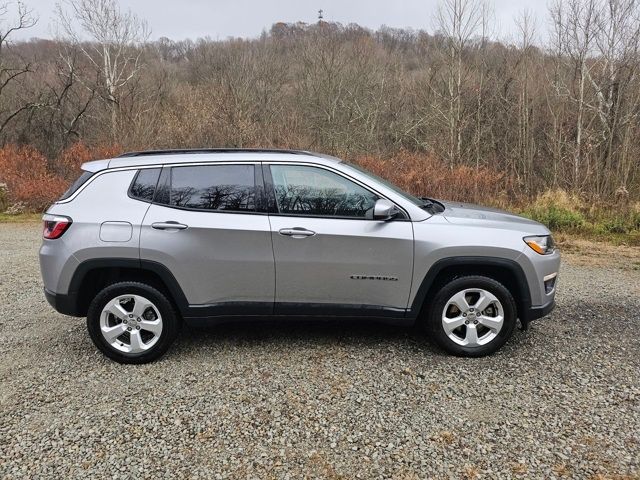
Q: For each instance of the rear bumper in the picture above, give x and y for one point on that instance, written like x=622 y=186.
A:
x=64 y=304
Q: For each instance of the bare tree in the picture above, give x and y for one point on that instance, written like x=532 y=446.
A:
x=575 y=21
x=322 y=88
x=110 y=39
x=616 y=107
x=459 y=22
x=599 y=41
x=12 y=66
x=69 y=103
x=486 y=17
x=525 y=146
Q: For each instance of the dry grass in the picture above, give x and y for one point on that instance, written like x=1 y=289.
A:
x=561 y=470
x=616 y=220
x=444 y=437
x=20 y=218
x=519 y=469
x=600 y=476
x=470 y=473
x=581 y=251
x=320 y=467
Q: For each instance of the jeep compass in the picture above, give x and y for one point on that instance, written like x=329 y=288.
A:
x=145 y=241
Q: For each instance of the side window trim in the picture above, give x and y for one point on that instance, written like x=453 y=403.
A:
x=166 y=177
x=270 y=193
x=261 y=190
x=273 y=207
x=164 y=181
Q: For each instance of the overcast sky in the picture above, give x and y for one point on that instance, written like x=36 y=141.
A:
x=218 y=19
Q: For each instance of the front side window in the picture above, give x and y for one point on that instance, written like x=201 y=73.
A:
x=212 y=187
x=305 y=190
x=419 y=202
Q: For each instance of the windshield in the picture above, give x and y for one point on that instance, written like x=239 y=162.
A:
x=415 y=200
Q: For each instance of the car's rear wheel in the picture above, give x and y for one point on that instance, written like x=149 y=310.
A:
x=472 y=316
x=132 y=322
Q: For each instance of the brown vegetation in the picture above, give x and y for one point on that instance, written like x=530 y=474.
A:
x=34 y=181
x=422 y=174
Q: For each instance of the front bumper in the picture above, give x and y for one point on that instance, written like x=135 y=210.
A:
x=533 y=313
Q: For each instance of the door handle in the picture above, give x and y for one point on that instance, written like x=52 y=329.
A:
x=296 y=232
x=170 y=225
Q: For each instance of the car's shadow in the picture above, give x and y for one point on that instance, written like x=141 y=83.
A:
x=300 y=332
x=292 y=334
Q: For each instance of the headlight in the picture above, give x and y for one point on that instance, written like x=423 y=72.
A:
x=544 y=244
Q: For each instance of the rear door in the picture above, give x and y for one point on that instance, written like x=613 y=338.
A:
x=206 y=226
x=330 y=255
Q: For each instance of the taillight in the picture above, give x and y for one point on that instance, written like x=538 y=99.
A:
x=55 y=226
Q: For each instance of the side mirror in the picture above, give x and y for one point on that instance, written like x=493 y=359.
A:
x=384 y=210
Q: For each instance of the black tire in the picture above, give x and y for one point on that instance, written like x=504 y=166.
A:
x=170 y=322
x=434 y=316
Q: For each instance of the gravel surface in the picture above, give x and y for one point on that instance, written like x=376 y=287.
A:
x=322 y=400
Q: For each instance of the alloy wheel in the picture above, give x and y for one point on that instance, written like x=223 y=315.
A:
x=473 y=317
x=130 y=323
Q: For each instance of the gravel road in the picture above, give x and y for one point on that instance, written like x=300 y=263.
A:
x=323 y=400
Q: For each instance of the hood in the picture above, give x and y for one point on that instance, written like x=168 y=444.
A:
x=469 y=214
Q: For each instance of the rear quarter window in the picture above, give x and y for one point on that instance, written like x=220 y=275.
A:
x=82 y=179
x=144 y=185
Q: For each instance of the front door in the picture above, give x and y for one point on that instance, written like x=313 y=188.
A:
x=331 y=256
x=205 y=227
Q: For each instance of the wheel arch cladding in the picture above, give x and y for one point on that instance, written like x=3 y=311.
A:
x=91 y=276
x=506 y=271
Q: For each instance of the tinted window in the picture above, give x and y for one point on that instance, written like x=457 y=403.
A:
x=415 y=200
x=82 y=179
x=144 y=185
x=213 y=187
x=163 y=190
x=315 y=191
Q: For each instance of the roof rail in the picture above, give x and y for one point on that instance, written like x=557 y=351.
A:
x=181 y=151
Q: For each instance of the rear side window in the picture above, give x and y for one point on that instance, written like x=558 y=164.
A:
x=82 y=179
x=212 y=187
x=144 y=185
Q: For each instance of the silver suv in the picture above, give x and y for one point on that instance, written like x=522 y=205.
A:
x=144 y=241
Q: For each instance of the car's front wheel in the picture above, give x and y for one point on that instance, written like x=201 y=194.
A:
x=132 y=322
x=472 y=316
